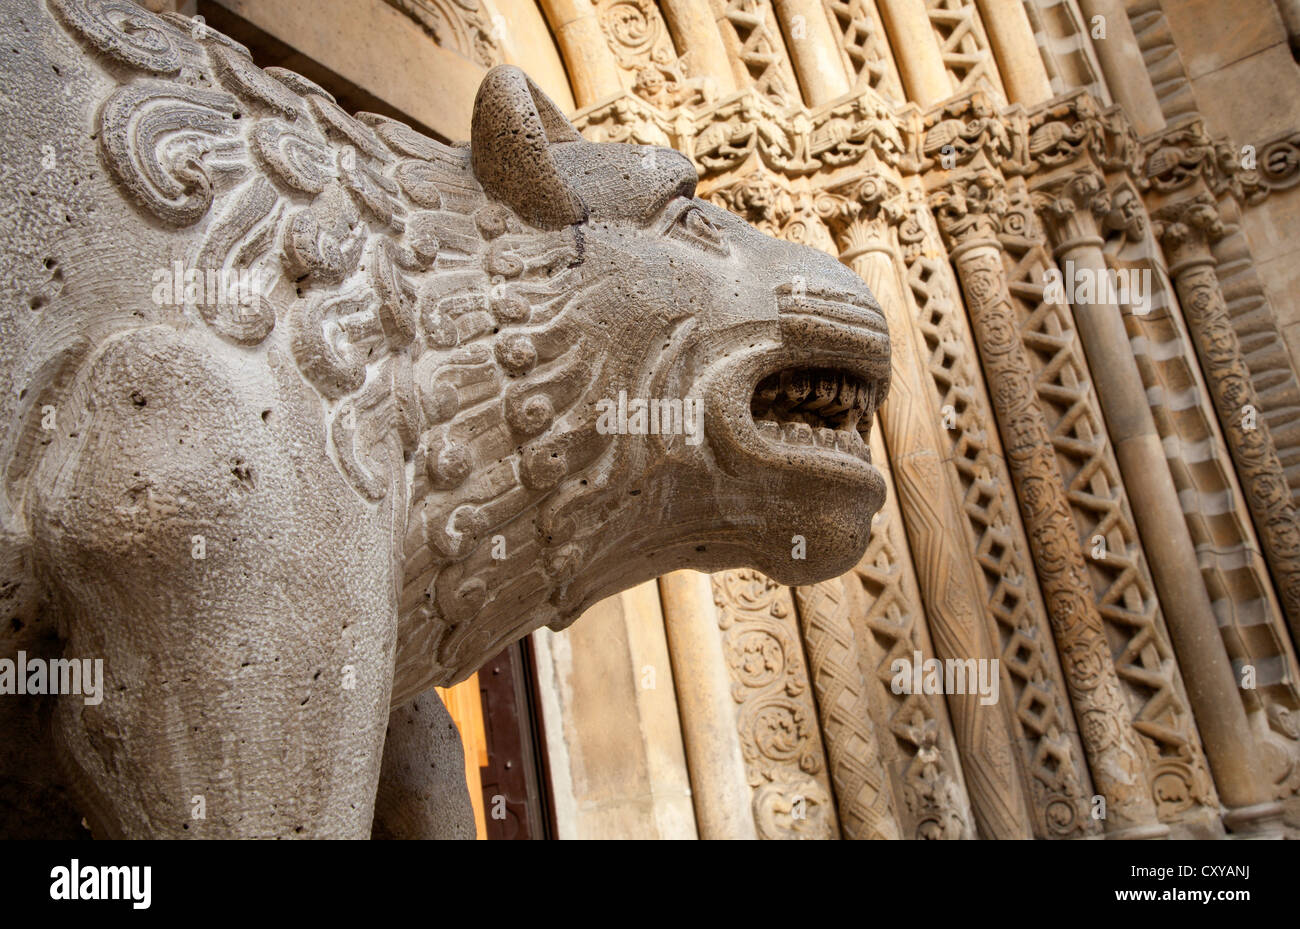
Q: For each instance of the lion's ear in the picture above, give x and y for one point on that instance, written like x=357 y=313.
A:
x=514 y=127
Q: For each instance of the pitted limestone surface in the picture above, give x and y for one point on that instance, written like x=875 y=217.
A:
x=308 y=406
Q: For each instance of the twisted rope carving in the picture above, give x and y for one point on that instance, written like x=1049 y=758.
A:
x=862 y=795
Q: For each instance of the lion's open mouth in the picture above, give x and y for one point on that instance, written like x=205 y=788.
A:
x=820 y=407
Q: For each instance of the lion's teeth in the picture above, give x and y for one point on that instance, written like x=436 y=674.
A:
x=866 y=397
x=798 y=433
x=845 y=441
x=823 y=394
x=795 y=385
x=818 y=408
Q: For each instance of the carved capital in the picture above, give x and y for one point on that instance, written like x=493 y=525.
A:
x=1079 y=128
x=758 y=198
x=1186 y=228
x=971 y=209
x=862 y=127
x=725 y=137
x=1180 y=157
x=862 y=211
x=963 y=129
x=630 y=120
x=1177 y=158
x=1127 y=213
x=1073 y=206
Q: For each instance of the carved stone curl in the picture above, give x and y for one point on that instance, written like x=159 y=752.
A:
x=438 y=355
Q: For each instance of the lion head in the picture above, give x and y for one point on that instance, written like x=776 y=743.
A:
x=624 y=380
x=568 y=372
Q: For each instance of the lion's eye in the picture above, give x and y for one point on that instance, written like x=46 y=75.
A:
x=697 y=223
x=692 y=223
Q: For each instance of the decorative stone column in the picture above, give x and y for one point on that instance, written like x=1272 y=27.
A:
x=916 y=51
x=776 y=712
x=1185 y=228
x=694 y=31
x=917 y=747
x=950 y=590
x=835 y=664
x=1016 y=52
x=1033 y=680
x=968 y=209
x=813 y=51
x=756 y=48
x=593 y=72
x=719 y=785
x=1071 y=204
x=1121 y=61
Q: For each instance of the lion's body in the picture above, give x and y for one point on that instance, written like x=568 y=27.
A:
x=275 y=517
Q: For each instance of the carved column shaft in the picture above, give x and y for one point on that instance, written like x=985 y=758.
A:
x=916 y=50
x=1185 y=229
x=813 y=51
x=719 y=784
x=1230 y=749
x=694 y=32
x=954 y=608
x=1122 y=64
x=1124 y=594
x=776 y=712
x=917 y=747
x=1016 y=52
x=834 y=660
x=1250 y=619
x=593 y=72
x=1019 y=624
x=1118 y=763
x=756 y=48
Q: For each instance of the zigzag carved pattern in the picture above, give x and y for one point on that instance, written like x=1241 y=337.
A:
x=921 y=758
x=1236 y=575
x=963 y=45
x=762 y=50
x=953 y=596
x=865 y=48
x=834 y=660
x=1023 y=636
x=1125 y=595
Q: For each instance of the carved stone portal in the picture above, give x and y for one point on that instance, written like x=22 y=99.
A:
x=322 y=413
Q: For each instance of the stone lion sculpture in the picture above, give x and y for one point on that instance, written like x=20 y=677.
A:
x=308 y=413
